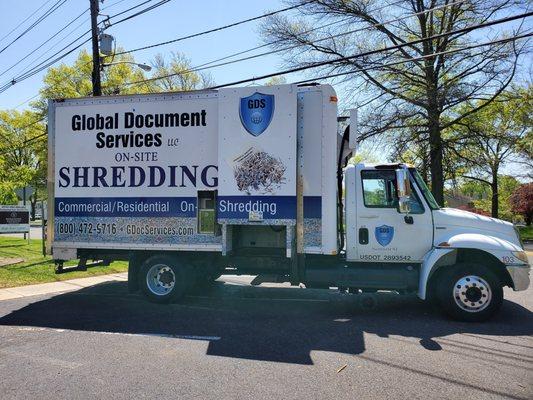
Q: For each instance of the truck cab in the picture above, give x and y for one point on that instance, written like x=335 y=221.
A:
x=462 y=259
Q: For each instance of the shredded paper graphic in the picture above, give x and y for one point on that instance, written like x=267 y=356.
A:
x=259 y=171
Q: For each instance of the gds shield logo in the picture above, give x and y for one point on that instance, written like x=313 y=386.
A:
x=384 y=234
x=256 y=112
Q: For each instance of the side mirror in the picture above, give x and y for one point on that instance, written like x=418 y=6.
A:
x=404 y=190
x=404 y=206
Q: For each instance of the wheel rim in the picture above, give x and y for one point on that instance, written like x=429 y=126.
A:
x=160 y=279
x=472 y=293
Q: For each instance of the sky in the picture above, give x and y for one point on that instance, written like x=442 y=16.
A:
x=174 y=19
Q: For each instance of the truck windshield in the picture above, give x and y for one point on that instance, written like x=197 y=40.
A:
x=424 y=189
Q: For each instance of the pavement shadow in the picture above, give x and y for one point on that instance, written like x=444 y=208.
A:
x=267 y=324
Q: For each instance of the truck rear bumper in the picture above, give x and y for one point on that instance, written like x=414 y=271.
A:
x=520 y=276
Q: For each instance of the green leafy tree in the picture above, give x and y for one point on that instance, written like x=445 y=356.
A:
x=70 y=81
x=489 y=139
x=481 y=195
x=276 y=80
x=176 y=74
x=22 y=153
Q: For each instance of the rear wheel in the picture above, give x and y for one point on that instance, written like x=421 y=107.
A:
x=163 y=278
x=470 y=292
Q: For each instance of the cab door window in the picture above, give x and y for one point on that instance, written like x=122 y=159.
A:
x=379 y=188
x=379 y=191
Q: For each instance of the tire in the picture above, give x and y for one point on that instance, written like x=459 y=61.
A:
x=163 y=279
x=469 y=292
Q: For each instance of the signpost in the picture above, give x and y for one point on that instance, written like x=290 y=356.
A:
x=24 y=194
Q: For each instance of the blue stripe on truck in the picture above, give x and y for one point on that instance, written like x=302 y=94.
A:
x=273 y=207
x=125 y=207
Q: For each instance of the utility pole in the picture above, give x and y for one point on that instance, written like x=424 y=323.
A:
x=97 y=88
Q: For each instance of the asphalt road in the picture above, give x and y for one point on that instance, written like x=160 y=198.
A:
x=234 y=341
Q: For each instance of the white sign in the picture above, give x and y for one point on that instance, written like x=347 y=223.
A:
x=14 y=219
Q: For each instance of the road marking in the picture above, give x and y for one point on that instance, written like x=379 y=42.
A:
x=163 y=335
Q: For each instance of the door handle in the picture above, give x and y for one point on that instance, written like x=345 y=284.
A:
x=363 y=235
x=369 y=216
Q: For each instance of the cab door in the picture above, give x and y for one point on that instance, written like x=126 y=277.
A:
x=383 y=233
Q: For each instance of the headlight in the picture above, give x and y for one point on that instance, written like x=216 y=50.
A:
x=521 y=255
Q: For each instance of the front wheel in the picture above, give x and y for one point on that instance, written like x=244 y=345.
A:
x=470 y=292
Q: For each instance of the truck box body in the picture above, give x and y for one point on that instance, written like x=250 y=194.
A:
x=186 y=171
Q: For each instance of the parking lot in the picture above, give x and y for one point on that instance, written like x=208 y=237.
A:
x=234 y=341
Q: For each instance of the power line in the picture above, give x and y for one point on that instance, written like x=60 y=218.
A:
x=143 y=11
x=43 y=43
x=45 y=64
x=500 y=41
x=23 y=145
x=204 y=66
x=49 y=12
x=376 y=51
x=112 y=4
x=27 y=68
x=25 y=142
x=220 y=28
x=27 y=100
x=209 y=66
x=200 y=66
x=130 y=9
x=25 y=19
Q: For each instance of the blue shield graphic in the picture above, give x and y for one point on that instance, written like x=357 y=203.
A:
x=256 y=112
x=384 y=234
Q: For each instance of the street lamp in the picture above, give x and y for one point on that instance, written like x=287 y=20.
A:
x=144 y=67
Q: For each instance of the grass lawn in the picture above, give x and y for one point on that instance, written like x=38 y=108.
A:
x=526 y=232
x=38 y=269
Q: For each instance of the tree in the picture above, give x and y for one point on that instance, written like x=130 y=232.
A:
x=487 y=140
x=177 y=75
x=22 y=155
x=522 y=202
x=482 y=199
x=418 y=90
x=69 y=81
x=276 y=80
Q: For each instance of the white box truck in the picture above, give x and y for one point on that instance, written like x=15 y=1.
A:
x=255 y=180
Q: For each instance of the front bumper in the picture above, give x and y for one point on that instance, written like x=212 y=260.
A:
x=520 y=276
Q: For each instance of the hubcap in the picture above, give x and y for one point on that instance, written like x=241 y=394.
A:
x=472 y=293
x=160 y=279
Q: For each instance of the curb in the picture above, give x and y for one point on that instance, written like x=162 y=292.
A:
x=59 y=287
